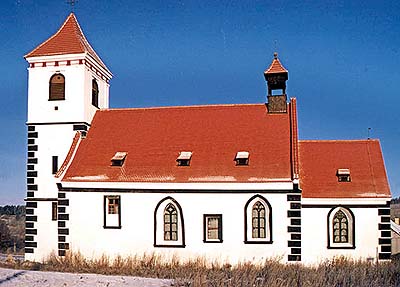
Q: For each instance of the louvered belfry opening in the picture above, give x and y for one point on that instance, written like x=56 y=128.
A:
x=276 y=76
x=57 y=87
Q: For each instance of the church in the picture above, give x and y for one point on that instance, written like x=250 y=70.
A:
x=232 y=183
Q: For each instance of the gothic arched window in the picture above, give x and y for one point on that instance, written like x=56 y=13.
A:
x=95 y=93
x=341 y=228
x=258 y=220
x=57 y=87
x=169 y=226
x=170 y=223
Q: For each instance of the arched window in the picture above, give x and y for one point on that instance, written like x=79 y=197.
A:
x=170 y=223
x=95 y=93
x=169 y=227
x=258 y=220
x=341 y=228
x=57 y=87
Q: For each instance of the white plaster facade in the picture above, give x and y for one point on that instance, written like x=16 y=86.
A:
x=51 y=129
x=136 y=235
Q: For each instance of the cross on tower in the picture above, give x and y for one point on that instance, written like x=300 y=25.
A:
x=72 y=3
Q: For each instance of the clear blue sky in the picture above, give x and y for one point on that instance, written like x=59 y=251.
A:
x=343 y=59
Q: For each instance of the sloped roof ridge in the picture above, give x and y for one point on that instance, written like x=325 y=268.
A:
x=338 y=140
x=82 y=42
x=276 y=67
x=181 y=107
x=32 y=53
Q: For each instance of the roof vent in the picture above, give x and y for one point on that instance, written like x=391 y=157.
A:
x=119 y=158
x=184 y=158
x=343 y=175
x=242 y=158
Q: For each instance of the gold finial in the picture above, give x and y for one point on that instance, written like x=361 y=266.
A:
x=275 y=55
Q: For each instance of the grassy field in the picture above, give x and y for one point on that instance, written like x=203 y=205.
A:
x=339 y=272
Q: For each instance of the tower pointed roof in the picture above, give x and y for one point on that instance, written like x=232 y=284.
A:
x=276 y=66
x=69 y=39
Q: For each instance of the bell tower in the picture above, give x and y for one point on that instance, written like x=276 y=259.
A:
x=67 y=84
x=276 y=76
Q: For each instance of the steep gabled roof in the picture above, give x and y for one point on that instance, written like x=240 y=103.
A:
x=154 y=137
x=320 y=161
x=69 y=39
x=275 y=67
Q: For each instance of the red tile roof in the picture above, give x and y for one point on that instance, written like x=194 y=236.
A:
x=69 y=39
x=275 y=67
x=70 y=154
x=153 y=138
x=320 y=160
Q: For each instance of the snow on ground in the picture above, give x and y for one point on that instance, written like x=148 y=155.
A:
x=24 y=278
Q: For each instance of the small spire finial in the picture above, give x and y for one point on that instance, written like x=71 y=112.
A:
x=275 y=55
x=72 y=3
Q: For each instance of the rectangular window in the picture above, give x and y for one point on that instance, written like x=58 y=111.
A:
x=212 y=227
x=343 y=175
x=112 y=211
x=55 y=164
x=113 y=205
x=184 y=158
x=119 y=158
x=54 y=211
x=242 y=158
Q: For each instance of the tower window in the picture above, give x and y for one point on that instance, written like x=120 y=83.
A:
x=57 y=87
x=54 y=168
x=95 y=93
x=184 y=158
x=54 y=211
x=343 y=175
x=242 y=158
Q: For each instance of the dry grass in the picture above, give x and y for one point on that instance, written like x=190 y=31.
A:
x=339 y=272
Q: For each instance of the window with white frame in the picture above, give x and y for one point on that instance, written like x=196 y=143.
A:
x=258 y=220
x=112 y=211
x=340 y=228
x=242 y=158
x=184 y=158
x=168 y=224
x=212 y=225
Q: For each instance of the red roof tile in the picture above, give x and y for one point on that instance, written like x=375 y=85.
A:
x=70 y=154
x=153 y=138
x=275 y=67
x=320 y=160
x=69 y=39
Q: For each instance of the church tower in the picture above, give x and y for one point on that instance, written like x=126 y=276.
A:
x=67 y=84
x=276 y=76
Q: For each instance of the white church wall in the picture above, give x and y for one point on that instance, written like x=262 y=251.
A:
x=41 y=110
x=53 y=140
x=315 y=234
x=46 y=237
x=136 y=236
x=103 y=86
